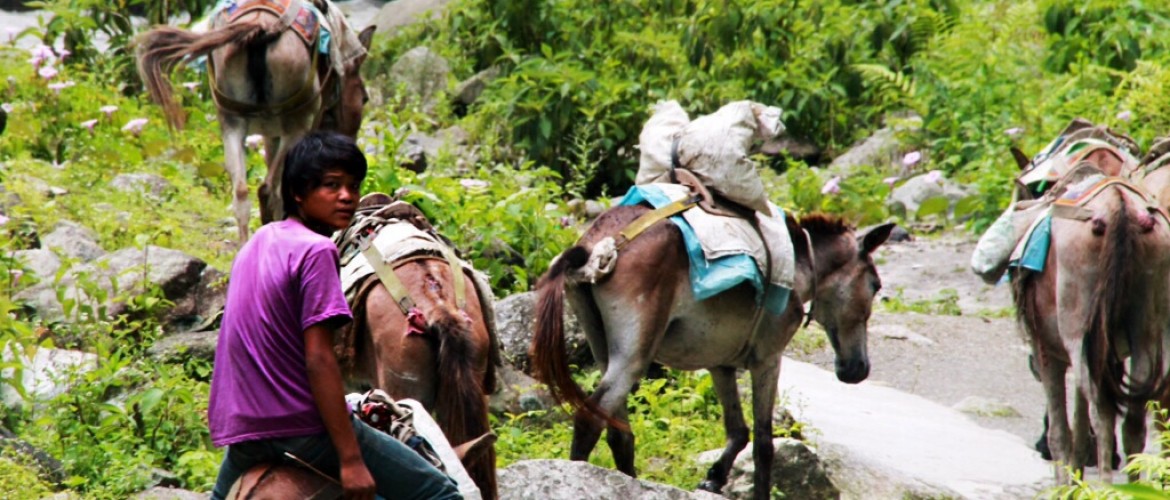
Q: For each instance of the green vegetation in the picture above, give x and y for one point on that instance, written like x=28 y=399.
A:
x=559 y=123
x=946 y=304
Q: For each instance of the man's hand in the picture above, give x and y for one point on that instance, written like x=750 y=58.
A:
x=356 y=481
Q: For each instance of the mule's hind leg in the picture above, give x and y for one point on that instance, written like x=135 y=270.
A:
x=765 y=379
x=232 y=131
x=587 y=427
x=734 y=427
x=1052 y=372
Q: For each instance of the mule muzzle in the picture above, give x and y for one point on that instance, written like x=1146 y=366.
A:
x=852 y=371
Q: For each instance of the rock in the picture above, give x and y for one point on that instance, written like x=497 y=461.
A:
x=424 y=74
x=150 y=184
x=43 y=371
x=199 y=307
x=545 y=479
x=907 y=198
x=43 y=263
x=593 y=209
x=985 y=407
x=55 y=192
x=49 y=469
x=882 y=151
x=877 y=442
x=518 y=393
x=514 y=321
x=413 y=154
x=791 y=147
x=181 y=347
x=421 y=150
x=74 y=241
x=469 y=90
x=399 y=13
x=42 y=298
x=171 y=270
x=165 y=493
x=796 y=471
x=164 y=478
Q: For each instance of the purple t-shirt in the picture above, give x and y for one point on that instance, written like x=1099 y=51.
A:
x=284 y=280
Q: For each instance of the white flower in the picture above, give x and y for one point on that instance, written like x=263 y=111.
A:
x=47 y=72
x=890 y=181
x=135 y=126
x=63 y=53
x=1014 y=131
x=833 y=186
x=1125 y=116
x=7 y=107
x=108 y=110
x=473 y=183
x=253 y=141
x=935 y=176
x=191 y=85
x=56 y=87
x=912 y=158
x=89 y=124
x=3 y=219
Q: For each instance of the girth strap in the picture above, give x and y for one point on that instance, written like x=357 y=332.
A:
x=394 y=286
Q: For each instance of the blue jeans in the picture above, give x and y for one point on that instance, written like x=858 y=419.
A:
x=399 y=472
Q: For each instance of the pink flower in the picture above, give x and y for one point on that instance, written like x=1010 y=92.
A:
x=7 y=107
x=3 y=219
x=47 y=72
x=58 y=86
x=1125 y=116
x=89 y=125
x=473 y=183
x=16 y=274
x=108 y=110
x=912 y=158
x=135 y=126
x=40 y=54
x=935 y=176
x=11 y=33
x=191 y=85
x=253 y=141
x=1014 y=131
x=62 y=53
x=833 y=186
x=890 y=181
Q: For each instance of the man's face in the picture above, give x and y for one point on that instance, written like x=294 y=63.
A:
x=333 y=202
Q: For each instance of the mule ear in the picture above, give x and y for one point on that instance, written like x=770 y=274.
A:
x=875 y=237
x=1021 y=159
x=366 y=37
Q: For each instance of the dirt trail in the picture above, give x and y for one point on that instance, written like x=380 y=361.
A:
x=948 y=358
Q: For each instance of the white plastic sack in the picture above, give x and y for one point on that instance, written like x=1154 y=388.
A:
x=992 y=253
x=714 y=147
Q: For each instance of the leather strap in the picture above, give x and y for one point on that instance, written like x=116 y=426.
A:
x=633 y=229
x=386 y=275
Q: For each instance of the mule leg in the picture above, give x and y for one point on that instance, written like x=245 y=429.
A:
x=1104 y=426
x=1083 y=450
x=734 y=428
x=765 y=379
x=1052 y=374
x=621 y=443
x=232 y=131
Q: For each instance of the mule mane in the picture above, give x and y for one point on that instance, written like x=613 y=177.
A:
x=824 y=224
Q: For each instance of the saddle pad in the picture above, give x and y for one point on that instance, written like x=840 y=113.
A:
x=726 y=251
x=396 y=241
x=307 y=24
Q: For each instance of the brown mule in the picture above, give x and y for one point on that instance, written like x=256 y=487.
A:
x=644 y=311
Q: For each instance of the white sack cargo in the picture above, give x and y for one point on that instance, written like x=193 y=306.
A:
x=714 y=147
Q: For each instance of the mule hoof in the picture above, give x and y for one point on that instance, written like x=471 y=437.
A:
x=712 y=486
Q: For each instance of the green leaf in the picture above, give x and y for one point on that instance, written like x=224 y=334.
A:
x=545 y=127
x=150 y=399
x=1141 y=492
x=933 y=206
x=967 y=206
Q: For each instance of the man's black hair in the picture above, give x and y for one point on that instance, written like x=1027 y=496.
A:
x=307 y=162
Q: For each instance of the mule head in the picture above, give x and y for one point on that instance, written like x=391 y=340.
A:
x=846 y=284
x=353 y=90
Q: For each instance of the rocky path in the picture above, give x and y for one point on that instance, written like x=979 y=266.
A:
x=976 y=361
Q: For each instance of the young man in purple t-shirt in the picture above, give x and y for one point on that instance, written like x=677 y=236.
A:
x=276 y=386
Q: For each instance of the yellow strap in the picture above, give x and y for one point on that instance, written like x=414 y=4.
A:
x=387 y=276
x=648 y=219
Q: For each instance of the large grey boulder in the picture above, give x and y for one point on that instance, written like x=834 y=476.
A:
x=907 y=198
x=883 y=150
x=796 y=471
x=515 y=318
x=44 y=372
x=399 y=13
x=518 y=393
x=73 y=240
x=548 y=479
x=877 y=442
x=182 y=347
x=151 y=185
x=423 y=73
x=469 y=90
x=421 y=150
x=43 y=263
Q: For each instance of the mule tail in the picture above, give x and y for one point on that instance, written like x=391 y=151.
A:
x=162 y=48
x=550 y=362
x=1110 y=318
x=461 y=402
